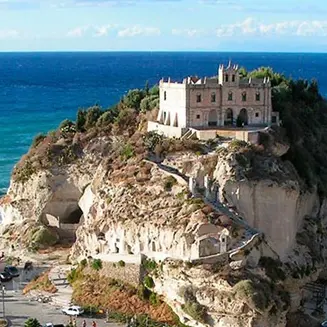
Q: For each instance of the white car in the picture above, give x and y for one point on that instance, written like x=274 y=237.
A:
x=73 y=310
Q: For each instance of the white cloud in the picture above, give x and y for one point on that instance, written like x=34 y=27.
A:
x=102 y=30
x=9 y=34
x=78 y=31
x=187 y=32
x=138 y=30
x=251 y=26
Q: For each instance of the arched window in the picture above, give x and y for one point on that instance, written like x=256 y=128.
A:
x=213 y=97
x=198 y=97
x=257 y=96
x=226 y=78
x=230 y=96
x=244 y=96
x=165 y=95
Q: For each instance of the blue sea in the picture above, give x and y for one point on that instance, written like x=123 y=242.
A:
x=38 y=90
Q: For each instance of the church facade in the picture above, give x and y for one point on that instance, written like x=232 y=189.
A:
x=227 y=100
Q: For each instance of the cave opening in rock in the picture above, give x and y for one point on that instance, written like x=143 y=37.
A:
x=73 y=216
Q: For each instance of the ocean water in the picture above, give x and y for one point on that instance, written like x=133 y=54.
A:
x=38 y=90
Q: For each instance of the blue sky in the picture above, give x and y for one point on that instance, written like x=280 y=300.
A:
x=212 y=25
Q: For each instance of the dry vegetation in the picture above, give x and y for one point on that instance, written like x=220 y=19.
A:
x=105 y=293
x=41 y=283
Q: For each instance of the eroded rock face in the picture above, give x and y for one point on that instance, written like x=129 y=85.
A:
x=135 y=208
x=135 y=218
x=272 y=201
x=227 y=303
x=276 y=210
x=46 y=193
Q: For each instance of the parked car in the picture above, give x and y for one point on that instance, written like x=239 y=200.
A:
x=11 y=270
x=324 y=324
x=73 y=310
x=5 y=277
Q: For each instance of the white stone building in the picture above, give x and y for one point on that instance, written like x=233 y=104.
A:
x=212 y=103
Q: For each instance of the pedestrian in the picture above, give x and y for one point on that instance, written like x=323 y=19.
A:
x=84 y=323
x=94 y=324
x=74 y=322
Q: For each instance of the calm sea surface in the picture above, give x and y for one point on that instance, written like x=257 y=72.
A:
x=38 y=90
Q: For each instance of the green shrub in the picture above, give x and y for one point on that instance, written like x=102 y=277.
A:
x=154 y=299
x=44 y=237
x=148 y=282
x=121 y=263
x=127 y=152
x=256 y=294
x=108 y=117
x=272 y=268
x=143 y=293
x=152 y=139
x=38 y=139
x=149 y=103
x=236 y=145
x=83 y=263
x=149 y=265
x=32 y=322
x=91 y=117
x=169 y=182
x=67 y=126
x=74 y=275
x=96 y=264
x=195 y=310
x=80 y=120
x=133 y=98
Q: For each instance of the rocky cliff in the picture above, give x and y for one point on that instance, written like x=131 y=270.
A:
x=235 y=248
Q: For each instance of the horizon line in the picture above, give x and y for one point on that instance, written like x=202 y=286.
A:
x=160 y=51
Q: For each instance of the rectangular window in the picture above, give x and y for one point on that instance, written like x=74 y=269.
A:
x=257 y=96
x=274 y=119
x=243 y=96
x=165 y=115
x=230 y=96
x=226 y=78
x=213 y=97
x=233 y=78
x=257 y=114
x=197 y=116
x=198 y=98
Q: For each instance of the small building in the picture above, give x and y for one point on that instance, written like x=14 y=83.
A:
x=227 y=100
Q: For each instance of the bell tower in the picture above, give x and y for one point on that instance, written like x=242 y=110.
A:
x=228 y=76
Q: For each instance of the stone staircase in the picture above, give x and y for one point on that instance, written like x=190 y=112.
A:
x=63 y=296
x=188 y=135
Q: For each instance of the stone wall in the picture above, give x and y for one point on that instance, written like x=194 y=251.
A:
x=128 y=273
x=167 y=130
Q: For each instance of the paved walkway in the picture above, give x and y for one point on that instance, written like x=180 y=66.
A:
x=58 y=276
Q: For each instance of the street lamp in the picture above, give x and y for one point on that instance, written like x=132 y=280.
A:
x=3 y=301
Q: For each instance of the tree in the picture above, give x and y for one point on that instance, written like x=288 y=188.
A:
x=91 y=117
x=80 y=120
x=146 y=88
x=242 y=71
x=133 y=99
x=32 y=322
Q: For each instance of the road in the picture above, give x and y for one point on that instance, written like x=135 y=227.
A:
x=19 y=308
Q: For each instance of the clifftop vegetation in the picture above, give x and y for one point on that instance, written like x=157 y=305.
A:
x=303 y=113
